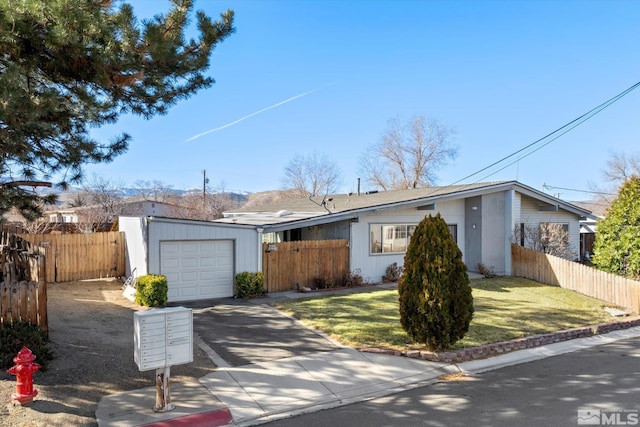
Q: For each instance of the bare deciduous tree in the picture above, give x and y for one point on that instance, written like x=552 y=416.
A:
x=311 y=175
x=408 y=154
x=79 y=199
x=206 y=206
x=104 y=202
x=39 y=226
x=546 y=237
x=619 y=168
x=156 y=191
x=192 y=206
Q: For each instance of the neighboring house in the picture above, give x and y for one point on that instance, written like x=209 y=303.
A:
x=86 y=218
x=126 y=207
x=51 y=222
x=90 y=217
x=201 y=258
x=588 y=229
x=146 y=208
x=68 y=216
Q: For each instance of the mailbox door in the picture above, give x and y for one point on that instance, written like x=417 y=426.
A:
x=179 y=337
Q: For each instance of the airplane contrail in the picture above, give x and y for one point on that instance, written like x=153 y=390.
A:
x=255 y=113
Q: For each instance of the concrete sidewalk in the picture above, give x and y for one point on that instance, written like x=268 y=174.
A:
x=283 y=388
x=258 y=393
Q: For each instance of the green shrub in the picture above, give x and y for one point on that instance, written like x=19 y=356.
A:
x=618 y=238
x=436 y=305
x=152 y=290
x=15 y=335
x=249 y=285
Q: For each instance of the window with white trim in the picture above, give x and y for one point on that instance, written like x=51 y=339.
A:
x=395 y=238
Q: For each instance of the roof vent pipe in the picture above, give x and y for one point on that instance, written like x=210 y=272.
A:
x=358 y=186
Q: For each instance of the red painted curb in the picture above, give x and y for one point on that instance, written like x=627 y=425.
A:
x=219 y=417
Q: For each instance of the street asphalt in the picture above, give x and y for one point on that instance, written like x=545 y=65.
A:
x=591 y=386
x=272 y=367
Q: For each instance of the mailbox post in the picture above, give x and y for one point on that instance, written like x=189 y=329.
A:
x=163 y=338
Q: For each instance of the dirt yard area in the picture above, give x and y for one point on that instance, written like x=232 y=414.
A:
x=91 y=334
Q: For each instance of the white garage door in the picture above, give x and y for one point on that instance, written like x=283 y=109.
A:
x=197 y=269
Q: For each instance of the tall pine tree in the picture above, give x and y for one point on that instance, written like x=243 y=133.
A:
x=67 y=66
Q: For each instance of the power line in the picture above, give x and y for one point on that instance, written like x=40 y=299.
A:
x=549 y=187
x=552 y=135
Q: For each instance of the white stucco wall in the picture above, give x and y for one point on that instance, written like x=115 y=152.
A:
x=374 y=266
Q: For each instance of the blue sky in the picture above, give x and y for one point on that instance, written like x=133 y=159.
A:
x=326 y=76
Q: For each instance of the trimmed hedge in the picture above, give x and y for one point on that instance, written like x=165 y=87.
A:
x=248 y=285
x=152 y=290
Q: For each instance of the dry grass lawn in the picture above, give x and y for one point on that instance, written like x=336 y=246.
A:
x=505 y=308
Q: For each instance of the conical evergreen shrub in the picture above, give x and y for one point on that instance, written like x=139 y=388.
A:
x=436 y=305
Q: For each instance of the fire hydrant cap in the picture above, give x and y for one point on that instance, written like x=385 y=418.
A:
x=24 y=356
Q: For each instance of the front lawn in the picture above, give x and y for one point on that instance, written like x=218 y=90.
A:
x=505 y=308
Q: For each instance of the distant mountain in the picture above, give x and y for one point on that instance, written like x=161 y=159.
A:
x=66 y=197
x=266 y=197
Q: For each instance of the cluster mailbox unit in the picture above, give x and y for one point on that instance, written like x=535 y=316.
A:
x=163 y=338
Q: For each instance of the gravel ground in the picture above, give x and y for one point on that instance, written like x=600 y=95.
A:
x=91 y=334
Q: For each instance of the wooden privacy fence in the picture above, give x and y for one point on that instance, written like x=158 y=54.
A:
x=23 y=288
x=81 y=256
x=578 y=277
x=289 y=265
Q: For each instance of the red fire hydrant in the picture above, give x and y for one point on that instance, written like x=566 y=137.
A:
x=24 y=369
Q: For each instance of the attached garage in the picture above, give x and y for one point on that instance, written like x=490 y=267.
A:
x=199 y=258
x=198 y=269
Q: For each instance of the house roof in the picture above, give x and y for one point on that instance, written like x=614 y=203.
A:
x=345 y=206
x=336 y=203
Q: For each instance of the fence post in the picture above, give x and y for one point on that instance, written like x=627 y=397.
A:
x=41 y=295
x=9 y=273
x=4 y=300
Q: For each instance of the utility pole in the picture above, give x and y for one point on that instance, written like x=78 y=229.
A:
x=205 y=180
x=204 y=184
